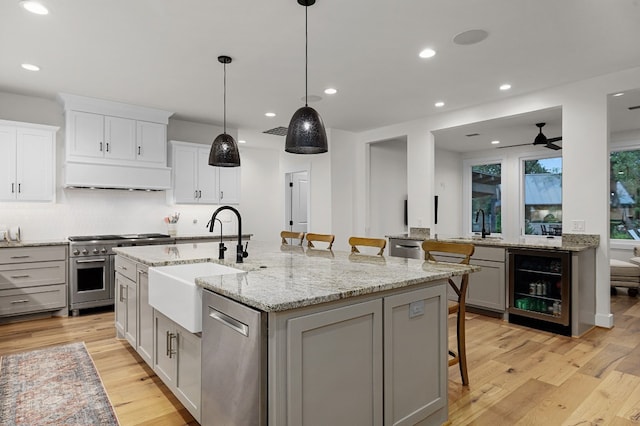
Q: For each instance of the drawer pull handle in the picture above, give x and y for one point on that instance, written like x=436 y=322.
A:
x=20 y=257
x=143 y=272
x=19 y=301
x=123 y=267
x=20 y=276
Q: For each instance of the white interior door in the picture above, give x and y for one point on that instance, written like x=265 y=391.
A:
x=297 y=201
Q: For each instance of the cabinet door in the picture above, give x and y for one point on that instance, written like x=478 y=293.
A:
x=8 y=184
x=35 y=165
x=145 y=317
x=164 y=363
x=207 y=179
x=86 y=135
x=185 y=174
x=487 y=287
x=131 y=325
x=415 y=355
x=120 y=138
x=334 y=374
x=229 y=185
x=121 y=305
x=188 y=372
x=151 y=143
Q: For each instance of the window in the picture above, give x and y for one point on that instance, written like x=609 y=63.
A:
x=543 y=196
x=486 y=182
x=624 y=194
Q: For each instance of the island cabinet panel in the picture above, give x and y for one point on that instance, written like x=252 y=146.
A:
x=335 y=366
x=126 y=309
x=373 y=359
x=415 y=331
x=177 y=355
x=145 y=316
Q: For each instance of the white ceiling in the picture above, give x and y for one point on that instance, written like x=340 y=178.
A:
x=162 y=54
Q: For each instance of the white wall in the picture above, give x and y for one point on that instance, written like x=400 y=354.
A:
x=448 y=188
x=585 y=157
x=344 y=209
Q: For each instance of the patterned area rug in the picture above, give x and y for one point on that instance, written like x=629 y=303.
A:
x=53 y=386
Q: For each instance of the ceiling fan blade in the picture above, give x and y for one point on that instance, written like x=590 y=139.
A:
x=550 y=140
x=552 y=146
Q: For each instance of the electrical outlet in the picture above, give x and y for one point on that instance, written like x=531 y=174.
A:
x=578 y=225
x=416 y=308
x=195 y=221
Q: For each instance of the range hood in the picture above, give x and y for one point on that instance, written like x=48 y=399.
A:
x=107 y=176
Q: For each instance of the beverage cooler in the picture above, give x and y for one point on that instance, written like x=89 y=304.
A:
x=539 y=289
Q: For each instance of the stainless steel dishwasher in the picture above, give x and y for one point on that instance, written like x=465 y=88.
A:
x=234 y=363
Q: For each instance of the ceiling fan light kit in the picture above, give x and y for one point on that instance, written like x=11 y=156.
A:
x=224 y=149
x=306 y=133
x=541 y=139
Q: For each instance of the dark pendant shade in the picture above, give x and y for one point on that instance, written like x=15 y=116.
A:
x=224 y=152
x=306 y=134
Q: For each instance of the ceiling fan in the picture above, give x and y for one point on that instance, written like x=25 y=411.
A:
x=541 y=139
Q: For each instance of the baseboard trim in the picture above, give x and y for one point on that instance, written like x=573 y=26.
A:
x=604 y=320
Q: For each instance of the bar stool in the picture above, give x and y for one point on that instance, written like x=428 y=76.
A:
x=455 y=307
x=380 y=243
x=292 y=236
x=326 y=238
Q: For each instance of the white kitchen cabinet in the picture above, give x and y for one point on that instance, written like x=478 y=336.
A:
x=27 y=157
x=111 y=133
x=126 y=309
x=177 y=361
x=195 y=181
x=145 y=316
x=151 y=142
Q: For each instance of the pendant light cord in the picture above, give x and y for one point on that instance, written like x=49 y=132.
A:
x=306 y=57
x=224 y=101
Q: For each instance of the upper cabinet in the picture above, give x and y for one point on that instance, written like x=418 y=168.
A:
x=196 y=182
x=27 y=161
x=125 y=145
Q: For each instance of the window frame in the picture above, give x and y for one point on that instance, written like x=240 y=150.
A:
x=521 y=206
x=468 y=164
x=625 y=145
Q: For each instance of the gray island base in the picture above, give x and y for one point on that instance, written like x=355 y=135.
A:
x=312 y=337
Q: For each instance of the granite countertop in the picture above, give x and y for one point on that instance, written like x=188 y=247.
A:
x=568 y=242
x=278 y=278
x=33 y=243
x=211 y=236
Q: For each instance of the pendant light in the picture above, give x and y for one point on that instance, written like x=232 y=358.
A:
x=306 y=134
x=224 y=149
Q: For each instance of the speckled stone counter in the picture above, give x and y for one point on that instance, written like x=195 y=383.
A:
x=279 y=278
x=210 y=236
x=568 y=242
x=33 y=243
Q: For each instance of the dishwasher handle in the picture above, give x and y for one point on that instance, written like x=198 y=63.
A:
x=230 y=322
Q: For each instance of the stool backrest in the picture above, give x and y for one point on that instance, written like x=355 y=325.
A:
x=380 y=243
x=292 y=236
x=326 y=238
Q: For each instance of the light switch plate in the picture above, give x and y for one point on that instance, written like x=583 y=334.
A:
x=578 y=225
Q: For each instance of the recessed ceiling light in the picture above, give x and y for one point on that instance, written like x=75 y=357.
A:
x=618 y=94
x=270 y=114
x=470 y=37
x=427 y=53
x=439 y=104
x=30 y=67
x=242 y=141
x=330 y=91
x=34 y=7
x=505 y=86
x=495 y=142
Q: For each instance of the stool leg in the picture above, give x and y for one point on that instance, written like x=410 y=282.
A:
x=462 y=347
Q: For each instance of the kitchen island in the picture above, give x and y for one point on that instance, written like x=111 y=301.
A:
x=340 y=338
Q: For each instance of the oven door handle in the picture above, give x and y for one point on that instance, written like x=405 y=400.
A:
x=92 y=261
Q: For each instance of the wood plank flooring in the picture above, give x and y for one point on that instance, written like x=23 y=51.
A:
x=518 y=376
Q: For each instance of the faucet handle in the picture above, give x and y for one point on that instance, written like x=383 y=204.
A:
x=244 y=252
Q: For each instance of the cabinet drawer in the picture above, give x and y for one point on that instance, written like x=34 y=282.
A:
x=32 y=299
x=23 y=275
x=32 y=254
x=489 y=253
x=126 y=267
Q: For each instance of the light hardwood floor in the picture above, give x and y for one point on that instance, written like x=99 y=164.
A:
x=518 y=376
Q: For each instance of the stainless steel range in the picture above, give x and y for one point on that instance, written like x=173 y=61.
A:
x=91 y=266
